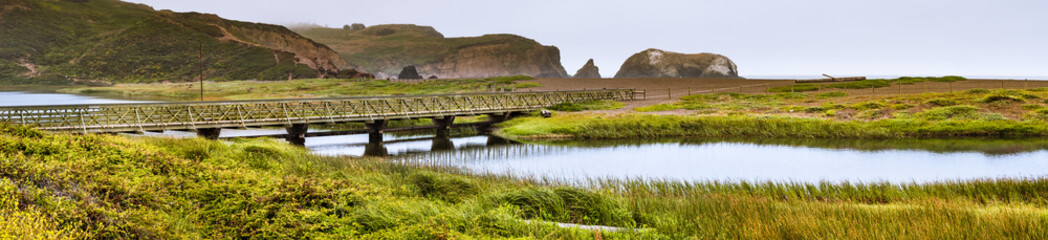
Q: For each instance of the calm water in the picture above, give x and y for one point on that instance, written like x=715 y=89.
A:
x=34 y=99
x=679 y=159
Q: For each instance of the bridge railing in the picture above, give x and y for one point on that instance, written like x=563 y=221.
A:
x=254 y=113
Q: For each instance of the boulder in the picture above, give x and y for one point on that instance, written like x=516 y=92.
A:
x=409 y=72
x=655 y=63
x=433 y=77
x=588 y=71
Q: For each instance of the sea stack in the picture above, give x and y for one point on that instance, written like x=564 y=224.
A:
x=655 y=63
x=409 y=72
x=588 y=71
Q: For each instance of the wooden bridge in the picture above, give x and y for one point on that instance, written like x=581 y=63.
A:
x=208 y=118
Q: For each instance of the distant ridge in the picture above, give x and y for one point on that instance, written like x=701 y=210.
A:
x=386 y=49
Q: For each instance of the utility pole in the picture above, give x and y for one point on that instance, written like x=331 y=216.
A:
x=200 y=59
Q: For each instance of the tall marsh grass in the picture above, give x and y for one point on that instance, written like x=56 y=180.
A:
x=955 y=121
x=115 y=187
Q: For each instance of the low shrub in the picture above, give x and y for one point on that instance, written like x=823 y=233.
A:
x=947 y=79
x=1002 y=98
x=951 y=112
x=867 y=105
x=942 y=102
x=901 y=106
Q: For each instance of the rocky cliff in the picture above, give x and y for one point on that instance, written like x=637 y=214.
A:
x=63 y=41
x=386 y=49
x=655 y=63
x=589 y=70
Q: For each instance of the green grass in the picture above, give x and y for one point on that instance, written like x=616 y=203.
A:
x=304 y=88
x=942 y=102
x=938 y=122
x=861 y=84
x=803 y=87
x=588 y=105
x=864 y=84
x=836 y=94
x=527 y=85
x=103 y=187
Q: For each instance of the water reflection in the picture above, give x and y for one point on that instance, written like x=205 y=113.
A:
x=754 y=160
x=37 y=99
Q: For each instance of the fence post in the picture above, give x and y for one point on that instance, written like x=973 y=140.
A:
x=689 y=90
x=900 y=88
x=669 y=91
x=1002 y=84
x=951 y=87
x=1026 y=84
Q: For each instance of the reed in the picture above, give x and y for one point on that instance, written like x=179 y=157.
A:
x=944 y=122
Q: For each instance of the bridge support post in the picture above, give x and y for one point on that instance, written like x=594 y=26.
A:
x=375 y=131
x=443 y=125
x=296 y=134
x=209 y=133
x=375 y=150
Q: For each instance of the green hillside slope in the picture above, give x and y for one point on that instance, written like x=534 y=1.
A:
x=66 y=41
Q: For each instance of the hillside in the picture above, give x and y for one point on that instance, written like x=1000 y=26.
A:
x=65 y=41
x=386 y=49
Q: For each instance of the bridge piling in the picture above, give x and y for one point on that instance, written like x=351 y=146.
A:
x=296 y=134
x=443 y=124
x=375 y=130
x=209 y=133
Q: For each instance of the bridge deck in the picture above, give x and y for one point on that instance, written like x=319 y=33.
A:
x=103 y=118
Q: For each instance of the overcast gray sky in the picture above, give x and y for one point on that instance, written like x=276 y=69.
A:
x=763 y=37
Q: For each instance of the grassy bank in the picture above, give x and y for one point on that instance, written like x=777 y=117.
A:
x=600 y=126
x=308 y=88
x=64 y=186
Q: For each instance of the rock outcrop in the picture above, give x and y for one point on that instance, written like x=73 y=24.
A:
x=409 y=72
x=385 y=49
x=588 y=71
x=655 y=63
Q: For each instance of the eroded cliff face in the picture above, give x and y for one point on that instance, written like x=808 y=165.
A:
x=307 y=52
x=386 y=49
x=655 y=63
x=497 y=59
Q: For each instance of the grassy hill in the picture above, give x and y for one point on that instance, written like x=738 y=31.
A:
x=65 y=41
x=386 y=49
